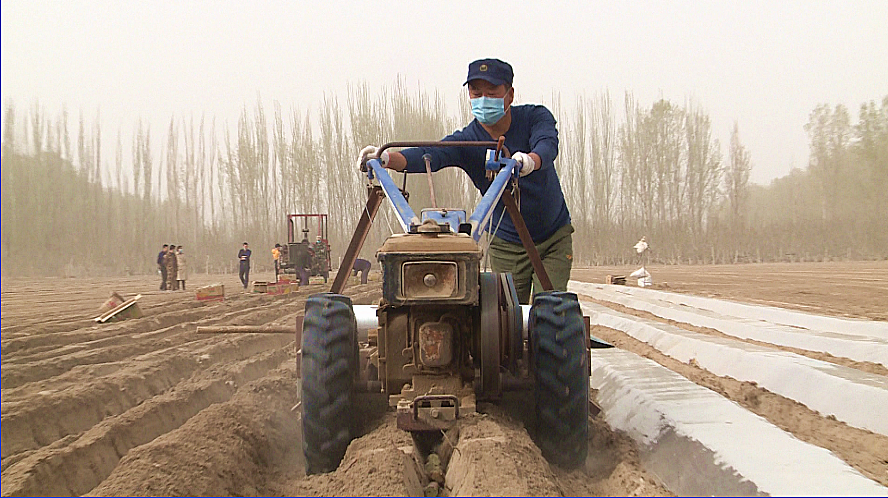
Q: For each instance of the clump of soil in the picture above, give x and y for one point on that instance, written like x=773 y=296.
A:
x=380 y=463
x=496 y=457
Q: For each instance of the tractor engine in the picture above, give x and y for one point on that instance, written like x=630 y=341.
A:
x=426 y=318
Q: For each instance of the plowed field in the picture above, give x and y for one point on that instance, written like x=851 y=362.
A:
x=149 y=407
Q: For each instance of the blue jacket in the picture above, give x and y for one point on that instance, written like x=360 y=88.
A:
x=242 y=253
x=542 y=201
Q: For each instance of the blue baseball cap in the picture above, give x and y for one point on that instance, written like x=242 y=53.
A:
x=495 y=71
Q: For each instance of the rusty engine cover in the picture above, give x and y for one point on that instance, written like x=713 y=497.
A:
x=423 y=340
x=435 y=343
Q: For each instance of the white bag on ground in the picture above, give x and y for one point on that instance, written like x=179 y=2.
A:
x=644 y=278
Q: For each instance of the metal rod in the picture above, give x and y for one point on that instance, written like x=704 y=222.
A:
x=478 y=219
x=497 y=155
x=403 y=211
x=527 y=241
x=365 y=319
x=374 y=199
x=428 y=162
x=245 y=329
x=449 y=143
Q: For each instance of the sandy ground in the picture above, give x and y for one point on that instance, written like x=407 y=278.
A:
x=149 y=407
x=848 y=289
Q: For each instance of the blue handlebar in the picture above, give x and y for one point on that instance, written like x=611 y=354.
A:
x=506 y=169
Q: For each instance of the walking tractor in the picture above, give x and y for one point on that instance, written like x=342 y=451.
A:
x=445 y=334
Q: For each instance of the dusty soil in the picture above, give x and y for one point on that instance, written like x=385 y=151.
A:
x=848 y=289
x=149 y=407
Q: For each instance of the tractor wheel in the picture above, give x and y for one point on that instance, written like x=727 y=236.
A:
x=561 y=368
x=329 y=339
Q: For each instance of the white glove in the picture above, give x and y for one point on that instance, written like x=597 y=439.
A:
x=366 y=153
x=526 y=162
x=370 y=152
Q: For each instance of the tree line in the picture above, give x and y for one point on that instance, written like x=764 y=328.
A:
x=627 y=170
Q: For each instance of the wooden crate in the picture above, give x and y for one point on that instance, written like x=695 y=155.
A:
x=615 y=280
x=114 y=301
x=127 y=309
x=215 y=292
x=278 y=288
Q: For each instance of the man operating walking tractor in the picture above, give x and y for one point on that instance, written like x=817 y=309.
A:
x=530 y=133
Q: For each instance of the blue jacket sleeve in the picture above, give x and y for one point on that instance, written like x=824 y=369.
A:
x=544 y=136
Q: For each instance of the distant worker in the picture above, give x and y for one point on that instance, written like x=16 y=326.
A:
x=276 y=257
x=532 y=138
x=171 y=267
x=181 y=267
x=285 y=255
x=161 y=265
x=320 y=250
x=363 y=266
x=244 y=257
x=319 y=258
x=641 y=251
x=303 y=261
x=641 y=248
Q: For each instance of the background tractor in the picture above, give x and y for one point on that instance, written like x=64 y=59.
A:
x=445 y=334
x=311 y=250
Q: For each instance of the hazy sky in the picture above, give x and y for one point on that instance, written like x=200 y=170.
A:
x=765 y=64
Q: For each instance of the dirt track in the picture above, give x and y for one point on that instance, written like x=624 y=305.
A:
x=147 y=406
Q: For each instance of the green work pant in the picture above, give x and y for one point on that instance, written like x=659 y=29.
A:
x=556 y=253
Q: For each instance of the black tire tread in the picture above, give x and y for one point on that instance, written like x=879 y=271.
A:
x=328 y=337
x=562 y=384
